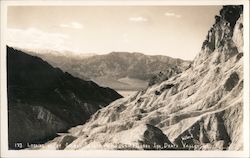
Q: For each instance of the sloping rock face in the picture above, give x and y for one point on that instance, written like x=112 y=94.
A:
x=43 y=100
x=198 y=109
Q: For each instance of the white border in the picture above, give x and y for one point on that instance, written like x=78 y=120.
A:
x=50 y=153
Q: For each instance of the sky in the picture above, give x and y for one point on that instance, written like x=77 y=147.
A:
x=176 y=31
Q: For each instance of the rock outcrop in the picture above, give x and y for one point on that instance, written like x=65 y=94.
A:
x=198 y=109
x=43 y=100
x=163 y=76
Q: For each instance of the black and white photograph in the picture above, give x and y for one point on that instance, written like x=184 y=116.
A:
x=123 y=77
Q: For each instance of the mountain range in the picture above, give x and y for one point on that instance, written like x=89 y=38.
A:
x=117 y=70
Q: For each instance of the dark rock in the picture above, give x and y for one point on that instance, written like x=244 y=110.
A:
x=231 y=81
x=231 y=13
x=157 y=93
x=167 y=86
x=240 y=55
x=65 y=141
x=155 y=138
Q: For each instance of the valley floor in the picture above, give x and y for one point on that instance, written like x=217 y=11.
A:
x=126 y=93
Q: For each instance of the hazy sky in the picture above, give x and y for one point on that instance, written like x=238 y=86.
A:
x=166 y=30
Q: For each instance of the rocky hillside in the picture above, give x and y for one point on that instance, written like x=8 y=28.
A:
x=43 y=100
x=198 y=109
x=110 y=70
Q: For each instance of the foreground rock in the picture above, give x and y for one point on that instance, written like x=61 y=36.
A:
x=43 y=100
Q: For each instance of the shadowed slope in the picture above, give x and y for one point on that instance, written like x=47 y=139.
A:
x=43 y=100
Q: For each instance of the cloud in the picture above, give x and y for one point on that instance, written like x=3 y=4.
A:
x=138 y=19
x=172 y=14
x=37 y=39
x=73 y=25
